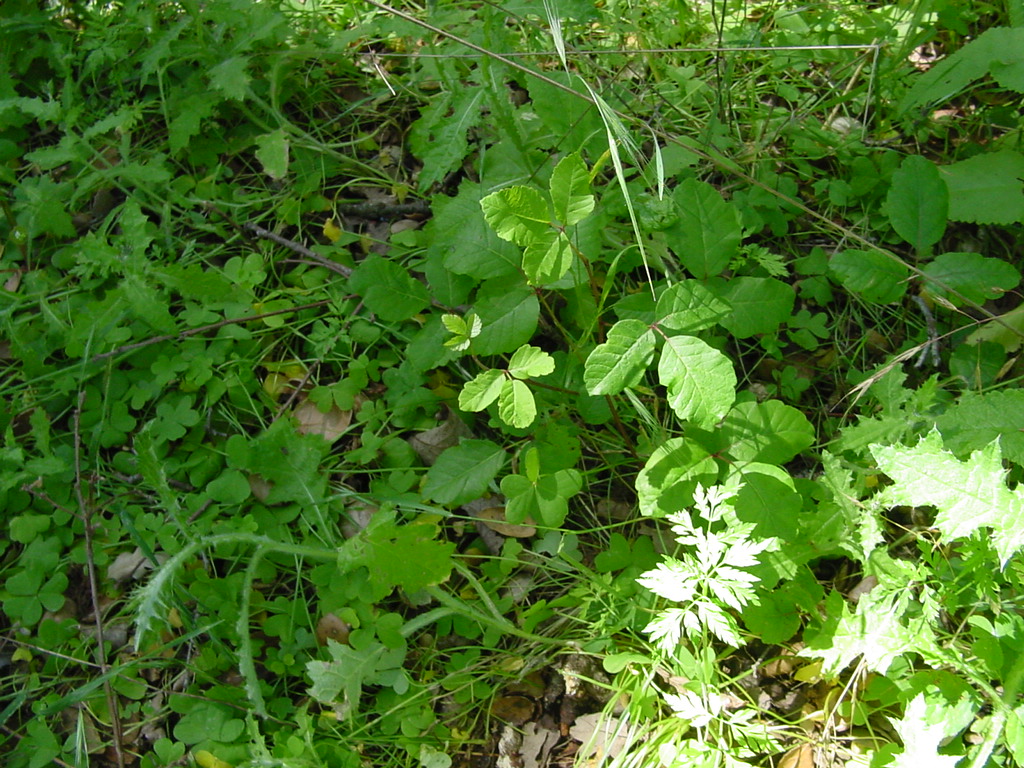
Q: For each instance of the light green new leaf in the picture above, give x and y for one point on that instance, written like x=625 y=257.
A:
x=918 y=203
x=463 y=472
x=548 y=258
x=482 y=390
x=516 y=406
x=975 y=277
x=700 y=380
x=272 y=152
x=530 y=361
x=570 y=190
x=517 y=214
x=708 y=230
x=621 y=360
x=688 y=307
x=968 y=495
x=987 y=188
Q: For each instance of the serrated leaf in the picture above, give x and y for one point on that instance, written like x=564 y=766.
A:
x=978 y=419
x=529 y=361
x=918 y=203
x=230 y=77
x=975 y=277
x=708 y=230
x=518 y=214
x=570 y=190
x=873 y=275
x=987 y=189
x=968 y=495
x=622 y=360
x=758 y=305
x=462 y=473
x=689 y=306
x=997 y=50
x=516 y=406
x=482 y=390
x=438 y=137
x=700 y=380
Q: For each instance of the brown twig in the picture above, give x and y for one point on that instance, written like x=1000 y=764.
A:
x=204 y=329
x=85 y=514
x=299 y=248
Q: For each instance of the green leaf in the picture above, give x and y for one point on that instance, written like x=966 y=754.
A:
x=528 y=361
x=622 y=360
x=405 y=556
x=516 y=406
x=666 y=483
x=758 y=304
x=700 y=380
x=463 y=472
x=545 y=501
x=987 y=189
x=481 y=390
x=873 y=275
x=272 y=151
x=459 y=237
x=518 y=214
x=570 y=190
x=968 y=495
x=230 y=77
x=439 y=136
x=689 y=306
x=767 y=499
x=918 y=203
x=708 y=231
x=388 y=289
x=978 y=419
x=997 y=50
x=769 y=432
x=926 y=725
x=975 y=277
x=509 y=311
x=548 y=258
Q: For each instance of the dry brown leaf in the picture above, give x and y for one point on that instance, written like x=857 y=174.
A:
x=514 y=710
x=798 y=757
x=330 y=627
x=600 y=735
x=494 y=518
x=432 y=443
x=312 y=421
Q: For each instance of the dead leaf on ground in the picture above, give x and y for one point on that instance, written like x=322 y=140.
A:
x=798 y=757
x=514 y=710
x=129 y=566
x=600 y=735
x=330 y=627
x=537 y=745
x=312 y=421
x=432 y=443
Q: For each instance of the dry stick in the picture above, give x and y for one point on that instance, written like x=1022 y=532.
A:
x=204 y=329
x=719 y=162
x=299 y=248
x=85 y=514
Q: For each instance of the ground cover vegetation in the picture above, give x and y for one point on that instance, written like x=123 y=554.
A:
x=511 y=384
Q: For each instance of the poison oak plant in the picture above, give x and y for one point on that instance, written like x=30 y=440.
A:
x=289 y=425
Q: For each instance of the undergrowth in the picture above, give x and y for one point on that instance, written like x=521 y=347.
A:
x=510 y=384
